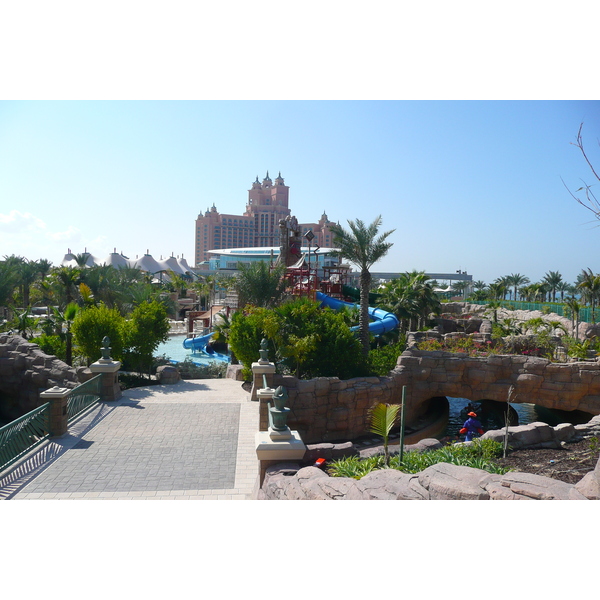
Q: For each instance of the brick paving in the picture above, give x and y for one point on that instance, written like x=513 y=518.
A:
x=191 y=440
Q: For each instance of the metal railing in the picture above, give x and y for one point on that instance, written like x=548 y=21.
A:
x=83 y=396
x=23 y=434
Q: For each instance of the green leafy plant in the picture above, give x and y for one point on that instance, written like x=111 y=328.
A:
x=382 y=418
x=481 y=454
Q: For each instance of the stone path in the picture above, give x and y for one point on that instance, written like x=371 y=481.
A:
x=191 y=440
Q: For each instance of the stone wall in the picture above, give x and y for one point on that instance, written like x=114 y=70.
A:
x=564 y=386
x=327 y=408
x=25 y=371
x=442 y=481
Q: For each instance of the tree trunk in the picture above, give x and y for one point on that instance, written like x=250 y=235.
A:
x=365 y=284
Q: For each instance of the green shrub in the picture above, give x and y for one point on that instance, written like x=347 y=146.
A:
x=54 y=345
x=92 y=324
x=383 y=359
x=479 y=455
x=303 y=339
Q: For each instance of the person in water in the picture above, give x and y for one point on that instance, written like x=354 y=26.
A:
x=470 y=427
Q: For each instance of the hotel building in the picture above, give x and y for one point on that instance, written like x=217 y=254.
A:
x=268 y=203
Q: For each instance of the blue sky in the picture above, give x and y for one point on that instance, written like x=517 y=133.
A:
x=453 y=122
x=470 y=185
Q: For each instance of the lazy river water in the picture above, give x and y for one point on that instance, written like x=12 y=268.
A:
x=526 y=413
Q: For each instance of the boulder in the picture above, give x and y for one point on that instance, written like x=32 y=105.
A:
x=388 y=484
x=168 y=374
x=589 y=485
x=538 y=487
x=445 y=481
x=532 y=435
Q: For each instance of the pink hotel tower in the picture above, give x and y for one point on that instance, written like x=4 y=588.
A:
x=258 y=227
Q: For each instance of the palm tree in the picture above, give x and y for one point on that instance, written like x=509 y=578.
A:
x=258 y=284
x=460 y=287
x=66 y=318
x=497 y=290
x=410 y=297
x=362 y=246
x=590 y=289
x=574 y=307
x=553 y=279
x=516 y=280
x=564 y=288
x=479 y=285
x=66 y=280
x=8 y=281
x=383 y=417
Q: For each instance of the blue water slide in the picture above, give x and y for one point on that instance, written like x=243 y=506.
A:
x=382 y=321
x=199 y=344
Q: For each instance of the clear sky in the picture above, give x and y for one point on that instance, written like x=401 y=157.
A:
x=453 y=122
x=470 y=185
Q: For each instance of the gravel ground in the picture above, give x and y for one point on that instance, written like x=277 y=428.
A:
x=568 y=464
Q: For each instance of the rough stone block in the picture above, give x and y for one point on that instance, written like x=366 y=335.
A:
x=445 y=481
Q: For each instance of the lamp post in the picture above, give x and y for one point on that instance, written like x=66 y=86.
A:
x=310 y=236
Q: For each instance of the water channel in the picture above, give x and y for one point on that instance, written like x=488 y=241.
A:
x=493 y=415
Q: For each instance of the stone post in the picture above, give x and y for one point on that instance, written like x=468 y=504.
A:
x=262 y=368
x=109 y=369
x=59 y=418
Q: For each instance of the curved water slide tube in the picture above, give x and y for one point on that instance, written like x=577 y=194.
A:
x=198 y=344
x=382 y=321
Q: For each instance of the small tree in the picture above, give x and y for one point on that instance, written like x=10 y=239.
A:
x=146 y=329
x=383 y=417
x=92 y=324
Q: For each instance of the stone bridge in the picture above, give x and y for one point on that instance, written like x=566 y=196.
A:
x=327 y=408
x=563 y=386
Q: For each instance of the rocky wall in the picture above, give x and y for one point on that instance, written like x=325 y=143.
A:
x=327 y=408
x=25 y=371
x=564 y=386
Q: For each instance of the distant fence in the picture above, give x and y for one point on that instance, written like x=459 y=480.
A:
x=23 y=434
x=562 y=310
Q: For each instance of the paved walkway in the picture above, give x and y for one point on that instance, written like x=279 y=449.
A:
x=190 y=441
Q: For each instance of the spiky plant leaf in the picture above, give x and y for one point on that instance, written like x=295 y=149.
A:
x=383 y=417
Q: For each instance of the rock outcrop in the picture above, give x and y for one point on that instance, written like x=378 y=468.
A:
x=442 y=481
x=25 y=371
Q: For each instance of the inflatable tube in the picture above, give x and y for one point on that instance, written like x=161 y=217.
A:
x=382 y=322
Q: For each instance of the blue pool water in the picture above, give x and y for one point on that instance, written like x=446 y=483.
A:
x=174 y=349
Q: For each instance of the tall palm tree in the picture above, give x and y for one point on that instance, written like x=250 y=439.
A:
x=258 y=284
x=411 y=297
x=552 y=280
x=66 y=280
x=503 y=284
x=590 y=289
x=8 y=281
x=363 y=246
x=516 y=280
x=574 y=307
x=497 y=290
x=564 y=287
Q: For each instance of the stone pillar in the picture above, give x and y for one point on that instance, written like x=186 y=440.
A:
x=58 y=398
x=109 y=369
x=110 y=388
x=278 y=443
x=261 y=370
